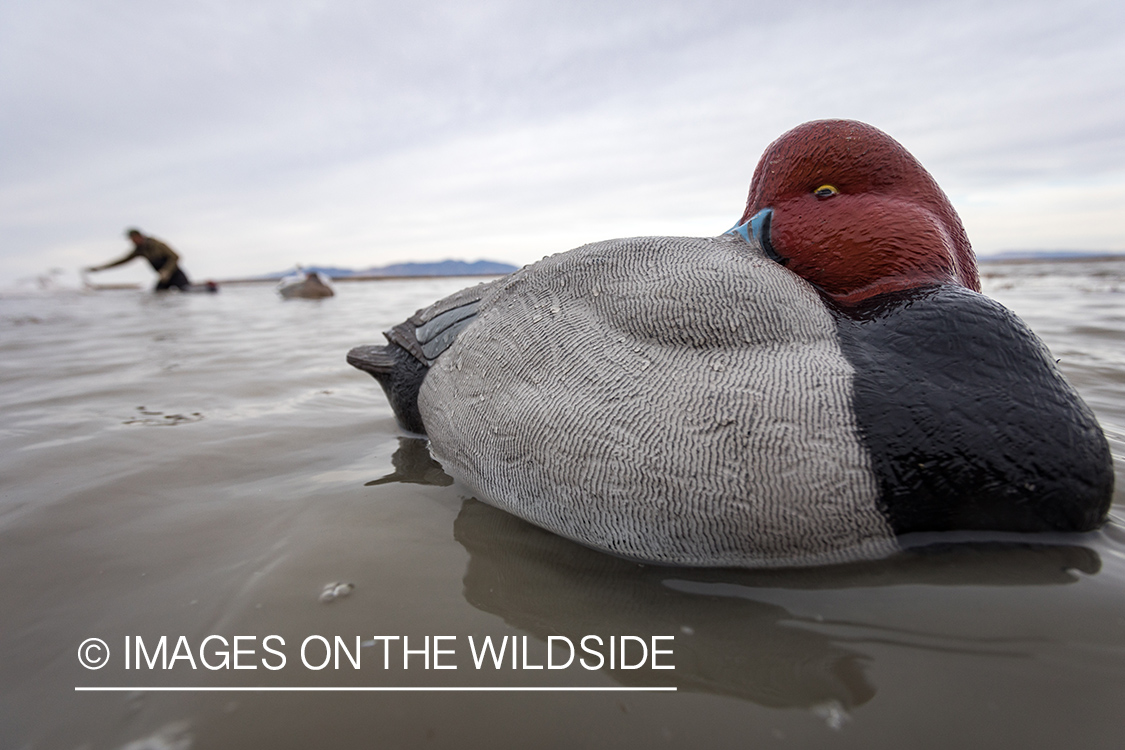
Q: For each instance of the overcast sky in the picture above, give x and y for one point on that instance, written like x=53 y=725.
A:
x=254 y=135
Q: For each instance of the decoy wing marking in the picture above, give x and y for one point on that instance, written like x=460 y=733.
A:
x=439 y=343
x=438 y=325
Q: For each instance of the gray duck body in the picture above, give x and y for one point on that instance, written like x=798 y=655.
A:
x=668 y=399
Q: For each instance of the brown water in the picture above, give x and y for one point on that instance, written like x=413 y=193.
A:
x=204 y=465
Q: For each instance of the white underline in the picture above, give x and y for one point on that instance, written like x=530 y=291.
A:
x=482 y=689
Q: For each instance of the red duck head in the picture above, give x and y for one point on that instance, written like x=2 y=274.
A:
x=846 y=207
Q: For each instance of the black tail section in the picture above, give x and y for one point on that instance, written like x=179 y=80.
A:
x=401 y=375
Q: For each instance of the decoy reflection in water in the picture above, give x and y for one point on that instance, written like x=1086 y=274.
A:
x=413 y=464
x=728 y=641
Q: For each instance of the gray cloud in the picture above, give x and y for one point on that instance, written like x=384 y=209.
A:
x=254 y=135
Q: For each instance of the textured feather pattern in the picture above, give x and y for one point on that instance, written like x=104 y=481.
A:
x=674 y=400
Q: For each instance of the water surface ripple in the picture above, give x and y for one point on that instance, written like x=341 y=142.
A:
x=193 y=465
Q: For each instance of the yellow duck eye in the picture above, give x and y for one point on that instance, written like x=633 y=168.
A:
x=825 y=191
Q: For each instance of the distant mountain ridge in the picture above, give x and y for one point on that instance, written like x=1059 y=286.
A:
x=496 y=268
x=438 y=268
x=444 y=268
x=1031 y=255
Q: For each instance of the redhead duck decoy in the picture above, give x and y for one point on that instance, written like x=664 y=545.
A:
x=305 y=285
x=804 y=389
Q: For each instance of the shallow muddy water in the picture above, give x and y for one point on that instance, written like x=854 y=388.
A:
x=202 y=468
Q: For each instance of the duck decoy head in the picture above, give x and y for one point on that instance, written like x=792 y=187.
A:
x=846 y=207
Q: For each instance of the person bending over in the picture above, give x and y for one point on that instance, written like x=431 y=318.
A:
x=164 y=261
